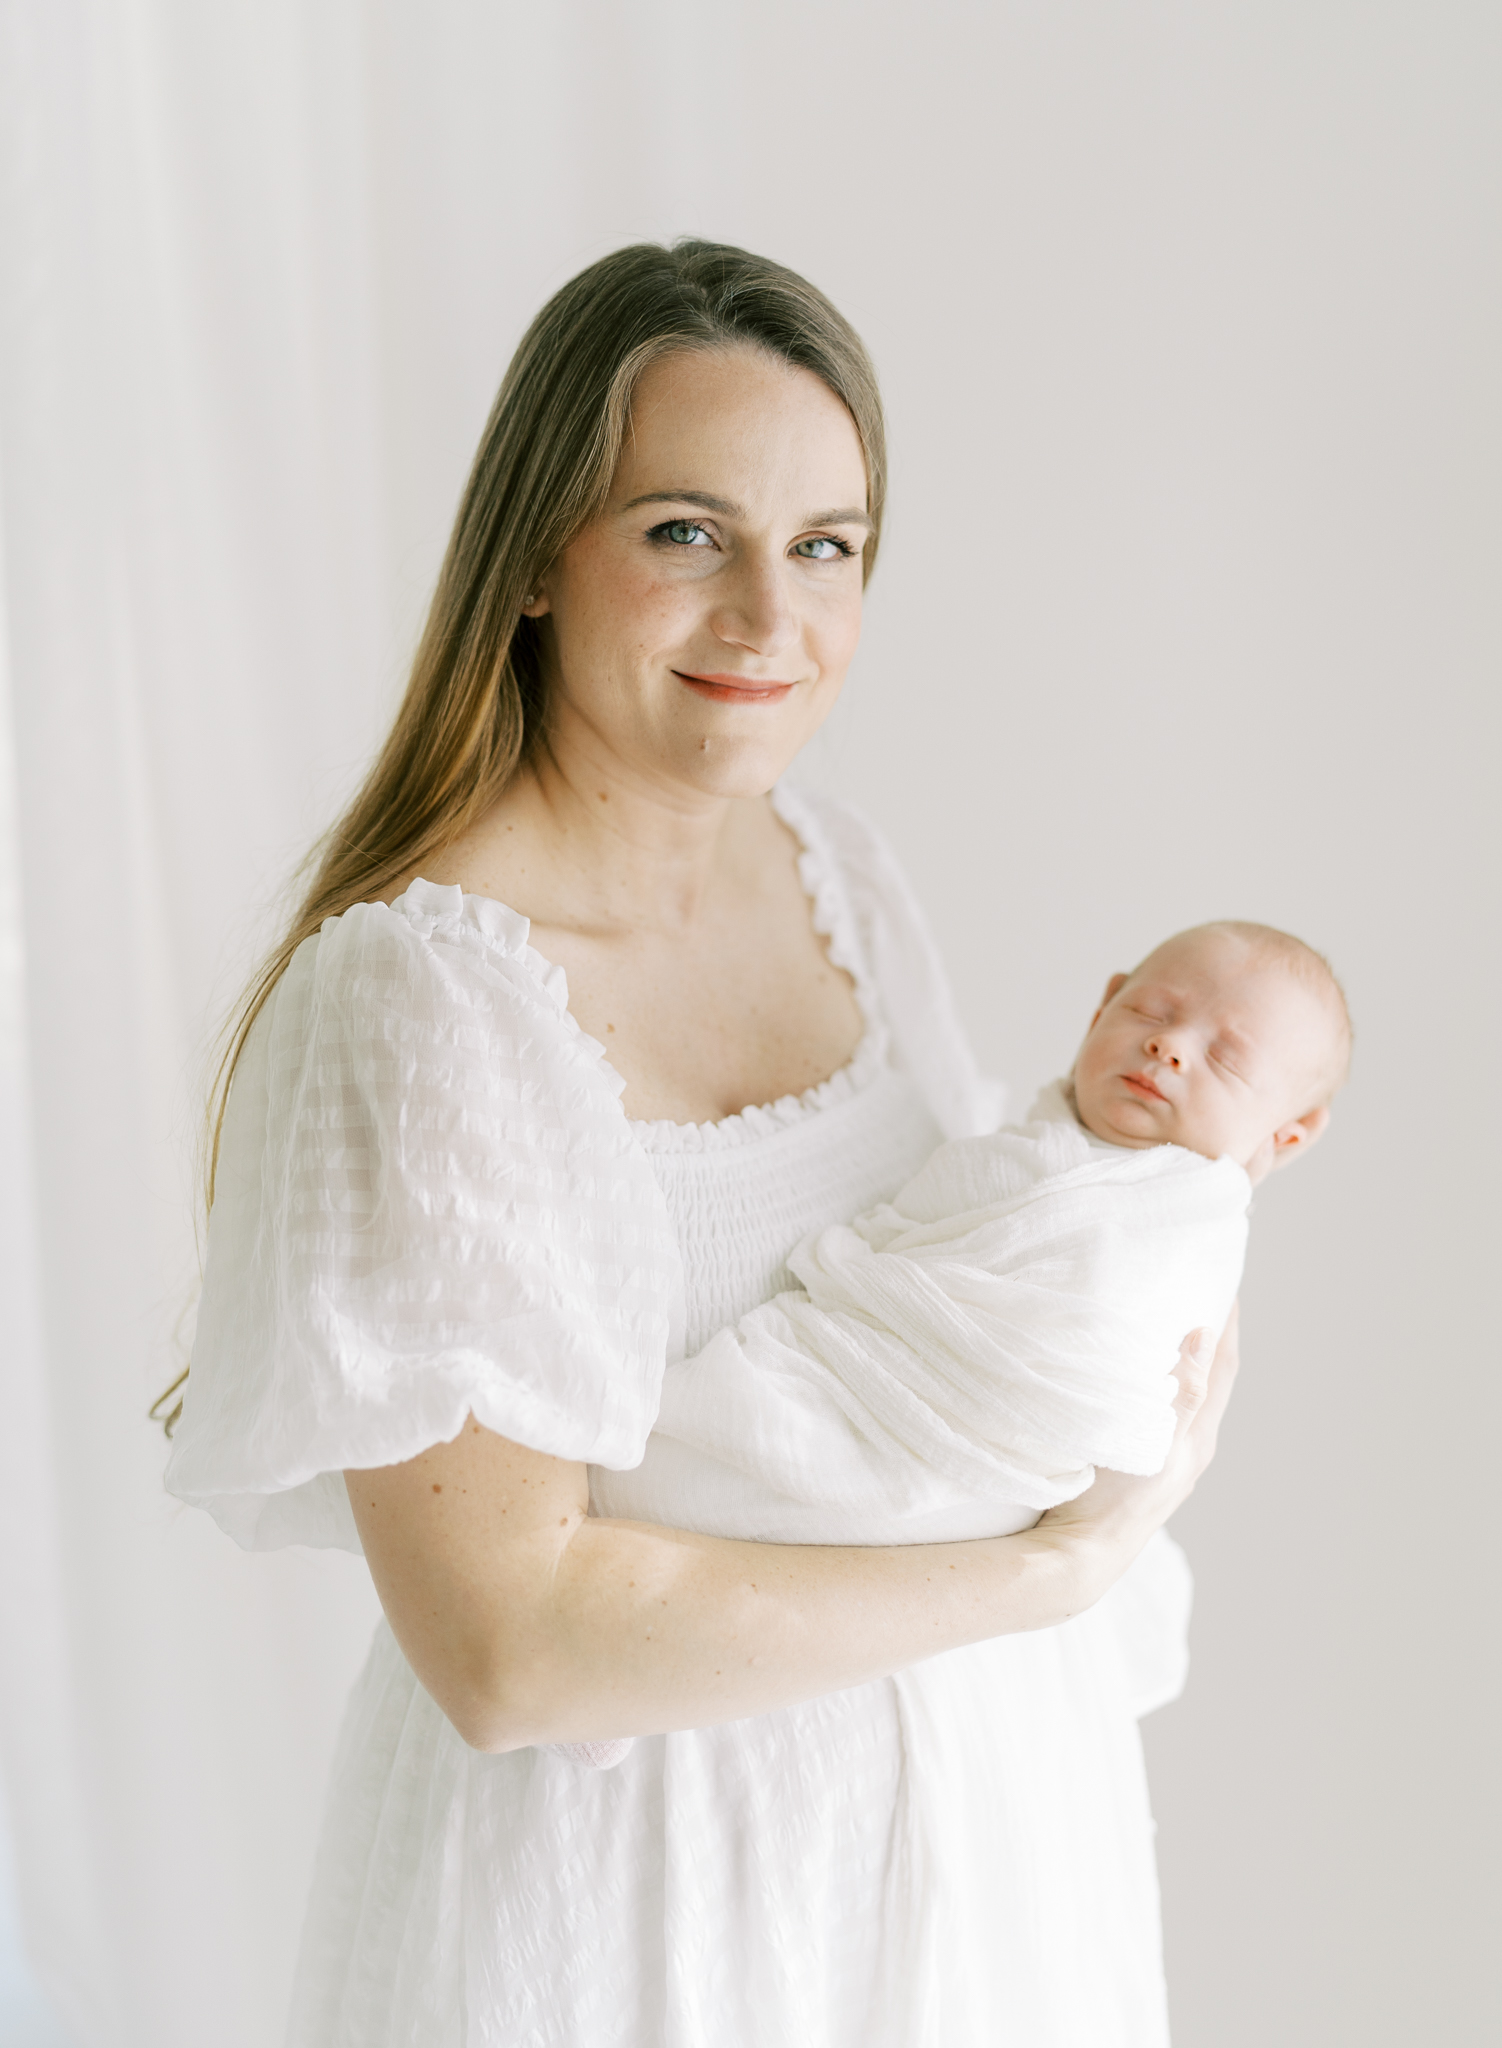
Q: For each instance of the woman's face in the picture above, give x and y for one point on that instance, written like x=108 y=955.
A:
x=701 y=627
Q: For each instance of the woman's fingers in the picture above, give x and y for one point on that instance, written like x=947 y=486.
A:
x=1206 y=1372
x=1126 y=1510
x=1193 y=1374
x=1222 y=1377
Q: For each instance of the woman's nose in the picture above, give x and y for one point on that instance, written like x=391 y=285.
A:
x=757 y=614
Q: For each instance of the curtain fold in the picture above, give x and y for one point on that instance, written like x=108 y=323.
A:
x=263 y=266
x=188 y=448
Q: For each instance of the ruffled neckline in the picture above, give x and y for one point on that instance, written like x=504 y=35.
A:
x=760 y=1120
x=427 y=904
x=833 y=921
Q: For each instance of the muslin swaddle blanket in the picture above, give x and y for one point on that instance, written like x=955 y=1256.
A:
x=960 y=1358
x=957 y=1360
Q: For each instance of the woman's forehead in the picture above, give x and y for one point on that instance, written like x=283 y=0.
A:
x=726 y=422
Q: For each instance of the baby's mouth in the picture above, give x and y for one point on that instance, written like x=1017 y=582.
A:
x=1141 y=1086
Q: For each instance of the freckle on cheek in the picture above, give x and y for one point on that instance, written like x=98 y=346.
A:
x=437 y=1489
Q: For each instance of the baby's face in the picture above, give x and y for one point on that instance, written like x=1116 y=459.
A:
x=1213 y=1044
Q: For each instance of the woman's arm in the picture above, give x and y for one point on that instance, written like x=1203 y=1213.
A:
x=530 y=1621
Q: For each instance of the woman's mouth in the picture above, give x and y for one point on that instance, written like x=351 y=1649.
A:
x=725 y=689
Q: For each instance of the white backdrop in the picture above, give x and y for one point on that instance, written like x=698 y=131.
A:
x=1188 y=317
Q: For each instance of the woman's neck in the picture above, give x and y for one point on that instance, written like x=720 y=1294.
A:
x=584 y=839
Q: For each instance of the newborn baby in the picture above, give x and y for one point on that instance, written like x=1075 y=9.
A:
x=962 y=1357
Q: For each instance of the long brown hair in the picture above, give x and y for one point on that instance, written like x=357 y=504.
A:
x=475 y=705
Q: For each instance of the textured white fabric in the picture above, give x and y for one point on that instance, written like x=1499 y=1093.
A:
x=429 y=1204
x=957 y=1359
x=957 y=1855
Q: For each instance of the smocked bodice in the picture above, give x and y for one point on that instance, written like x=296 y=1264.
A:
x=739 y=1206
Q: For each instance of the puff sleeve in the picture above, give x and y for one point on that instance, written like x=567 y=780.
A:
x=429 y=1204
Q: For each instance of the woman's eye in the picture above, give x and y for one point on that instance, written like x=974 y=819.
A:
x=823 y=547
x=683 y=533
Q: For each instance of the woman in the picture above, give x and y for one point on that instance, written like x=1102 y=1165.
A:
x=585 y=1021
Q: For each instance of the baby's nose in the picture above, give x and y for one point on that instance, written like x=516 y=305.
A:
x=1161 y=1048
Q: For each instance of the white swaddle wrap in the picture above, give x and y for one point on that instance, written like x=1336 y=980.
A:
x=962 y=1357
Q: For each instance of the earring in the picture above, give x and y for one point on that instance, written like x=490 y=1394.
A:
x=530 y=598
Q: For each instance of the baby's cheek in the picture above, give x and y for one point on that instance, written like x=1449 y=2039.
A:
x=1236 y=1136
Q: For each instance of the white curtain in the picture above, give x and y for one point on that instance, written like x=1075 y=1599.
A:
x=1189 y=369
x=265 y=261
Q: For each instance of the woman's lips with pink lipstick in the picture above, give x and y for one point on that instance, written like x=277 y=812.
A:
x=734 y=689
x=1140 y=1085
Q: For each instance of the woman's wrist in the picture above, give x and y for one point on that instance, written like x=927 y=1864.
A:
x=1094 y=1539
x=1056 y=1570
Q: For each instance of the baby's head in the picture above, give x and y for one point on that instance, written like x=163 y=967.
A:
x=1231 y=1038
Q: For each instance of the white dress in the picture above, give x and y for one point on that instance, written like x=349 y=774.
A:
x=431 y=1203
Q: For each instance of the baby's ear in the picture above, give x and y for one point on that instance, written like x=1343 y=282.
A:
x=1292 y=1139
x=1113 y=989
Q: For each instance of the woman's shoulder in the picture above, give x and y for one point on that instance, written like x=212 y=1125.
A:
x=429 y=1205
x=850 y=858
x=430 y=923
x=836 y=827
x=441 y=965
x=851 y=872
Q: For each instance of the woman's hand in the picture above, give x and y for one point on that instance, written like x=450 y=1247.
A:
x=1116 y=1516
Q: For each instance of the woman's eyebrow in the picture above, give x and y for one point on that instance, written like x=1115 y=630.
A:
x=848 y=515
x=701 y=498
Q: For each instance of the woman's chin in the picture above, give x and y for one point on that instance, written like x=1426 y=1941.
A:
x=733 y=764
